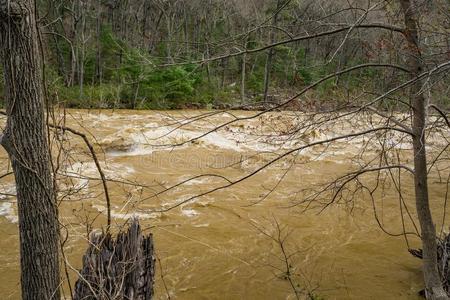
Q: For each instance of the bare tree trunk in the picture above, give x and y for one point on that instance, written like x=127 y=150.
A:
x=98 y=59
x=60 y=58
x=271 y=53
x=223 y=64
x=26 y=142
x=169 y=22
x=207 y=65
x=73 y=36
x=434 y=289
x=243 y=65
x=82 y=49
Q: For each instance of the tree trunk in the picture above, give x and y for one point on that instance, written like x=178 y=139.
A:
x=98 y=59
x=271 y=53
x=224 y=65
x=82 y=44
x=60 y=57
x=73 y=37
x=243 y=65
x=26 y=142
x=433 y=284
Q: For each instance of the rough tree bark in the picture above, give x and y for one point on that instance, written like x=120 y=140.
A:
x=271 y=52
x=25 y=140
x=243 y=69
x=433 y=284
x=82 y=47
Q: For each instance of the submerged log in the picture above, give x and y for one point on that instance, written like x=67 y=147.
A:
x=443 y=249
x=117 y=269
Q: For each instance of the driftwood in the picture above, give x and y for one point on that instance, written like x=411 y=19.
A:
x=443 y=248
x=117 y=269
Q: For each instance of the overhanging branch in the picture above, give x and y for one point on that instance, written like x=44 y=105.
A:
x=442 y=113
x=291 y=40
x=303 y=91
x=278 y=158
x=97 y=164
x=347 y=178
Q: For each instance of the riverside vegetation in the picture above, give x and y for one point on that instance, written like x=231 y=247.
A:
x=313 y=109
x=145 y=54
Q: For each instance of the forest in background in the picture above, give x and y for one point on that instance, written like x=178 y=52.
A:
x=167 y=54
x=359 y=62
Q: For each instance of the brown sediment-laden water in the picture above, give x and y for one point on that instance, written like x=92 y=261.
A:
x=226 y=244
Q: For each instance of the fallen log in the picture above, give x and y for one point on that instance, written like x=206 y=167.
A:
x=443 y=249
x=123 y=268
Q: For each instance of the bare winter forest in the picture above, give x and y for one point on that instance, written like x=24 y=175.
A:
x=224 y=149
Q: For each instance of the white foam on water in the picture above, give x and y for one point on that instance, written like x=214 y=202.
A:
x=81 y=172
x=127 y=215
x=189 y=212
x=136 y=150
x=223 y=141
x=90 y=169
x=133 y=140
x=146 y=138
x=196 y=181
x=7 y=211
x=9 y=189
x=136 y=141
x=202 y=225
x=152 y=125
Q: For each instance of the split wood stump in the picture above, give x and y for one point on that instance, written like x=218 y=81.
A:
x=123 y=268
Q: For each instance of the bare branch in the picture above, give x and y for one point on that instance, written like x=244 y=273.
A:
x=6 y=175
x=271 y=162
x=390 y=118
x=441 y=112
x=97 y=164
x=303 y=91
x=352 y=176
x=291 y=40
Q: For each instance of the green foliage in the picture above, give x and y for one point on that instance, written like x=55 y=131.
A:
x=255 y=81
x=158 y=87
x=205 y=93
x=130 y=78
x=98 y=96
x=305 y=75
x=129 y=75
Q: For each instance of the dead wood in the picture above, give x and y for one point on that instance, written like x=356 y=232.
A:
x=121 y=268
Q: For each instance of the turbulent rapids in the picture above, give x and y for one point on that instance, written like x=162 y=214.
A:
x=216 y=201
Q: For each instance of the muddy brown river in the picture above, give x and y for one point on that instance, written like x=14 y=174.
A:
x=222 y=245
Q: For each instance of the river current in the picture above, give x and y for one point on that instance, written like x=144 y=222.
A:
x=226 y=243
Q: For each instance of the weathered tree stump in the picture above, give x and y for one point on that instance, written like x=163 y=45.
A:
x=117 y=269
x=443 y=254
